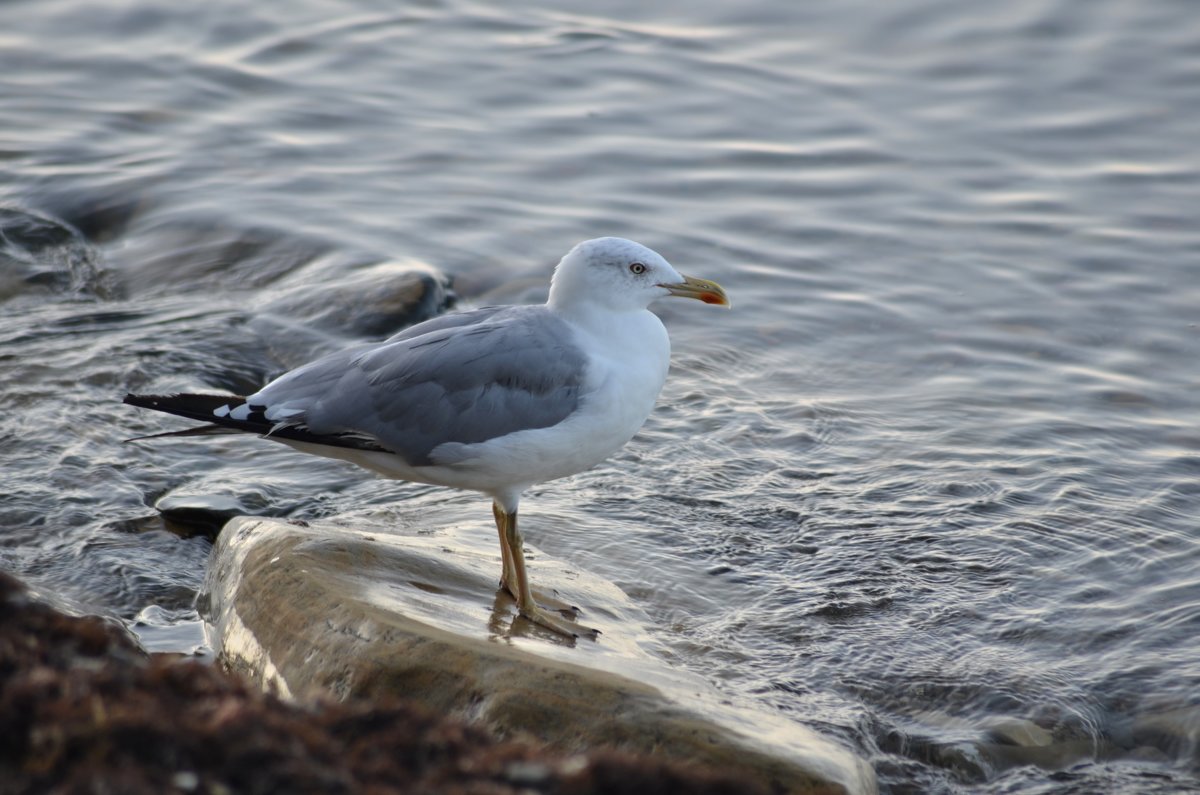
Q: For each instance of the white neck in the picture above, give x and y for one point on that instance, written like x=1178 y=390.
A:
x=591 y=316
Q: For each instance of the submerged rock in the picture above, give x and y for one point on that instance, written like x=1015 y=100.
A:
x=44 y=254
x=84 y=710
x=374 y=300
x=1175 y=731
x=189 y=515
x=314 y=610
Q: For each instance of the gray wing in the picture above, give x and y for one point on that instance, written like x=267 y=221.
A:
x=462 y=378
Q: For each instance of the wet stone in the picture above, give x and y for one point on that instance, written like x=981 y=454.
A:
x=189 y=515
x=1019 y=732
x=1175 y=732
x=366 y=301
x=328 y=610
x=42 y=254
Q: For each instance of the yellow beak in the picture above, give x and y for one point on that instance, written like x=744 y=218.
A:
x=700 y=289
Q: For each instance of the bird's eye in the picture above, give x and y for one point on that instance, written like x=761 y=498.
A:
x=637 y=268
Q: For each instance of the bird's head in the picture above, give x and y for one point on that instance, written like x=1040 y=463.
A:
x=621 y=274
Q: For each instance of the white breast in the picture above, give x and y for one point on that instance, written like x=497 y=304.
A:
x=628 y=360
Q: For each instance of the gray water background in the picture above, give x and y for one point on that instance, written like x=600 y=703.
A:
x=937 y=471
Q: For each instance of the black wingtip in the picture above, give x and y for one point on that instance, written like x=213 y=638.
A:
x=203 y=407
x=196 y=407
x=163 y=402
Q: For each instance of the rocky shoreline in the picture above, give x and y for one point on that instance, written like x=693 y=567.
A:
x=84 y=710
x=354 y=661
x=329 y=688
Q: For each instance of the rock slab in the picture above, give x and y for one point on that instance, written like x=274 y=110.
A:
x=310 y=610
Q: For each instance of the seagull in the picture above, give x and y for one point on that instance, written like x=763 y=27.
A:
x=492 y=400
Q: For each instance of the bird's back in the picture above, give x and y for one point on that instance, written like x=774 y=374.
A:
x=461 y=379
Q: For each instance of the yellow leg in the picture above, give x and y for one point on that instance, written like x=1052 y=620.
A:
x=511 y=543
x=507 y=578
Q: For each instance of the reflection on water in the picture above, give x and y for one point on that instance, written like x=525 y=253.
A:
x=930 y=488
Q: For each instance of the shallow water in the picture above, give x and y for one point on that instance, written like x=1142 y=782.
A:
x=932 y=483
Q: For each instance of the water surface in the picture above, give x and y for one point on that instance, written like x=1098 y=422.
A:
x=930 y=488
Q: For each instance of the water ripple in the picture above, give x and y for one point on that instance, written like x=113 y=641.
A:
x=930 y=486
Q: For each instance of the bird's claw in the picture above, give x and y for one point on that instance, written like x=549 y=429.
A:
x=562 y=626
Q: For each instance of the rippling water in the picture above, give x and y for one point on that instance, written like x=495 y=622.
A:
x=932 y=487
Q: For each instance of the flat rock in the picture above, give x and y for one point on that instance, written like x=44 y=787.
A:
x=374 y=300
x=311 y=610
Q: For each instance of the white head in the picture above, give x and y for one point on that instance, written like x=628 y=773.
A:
x=621 y=275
